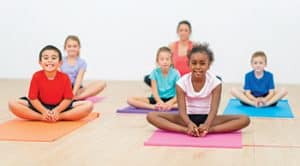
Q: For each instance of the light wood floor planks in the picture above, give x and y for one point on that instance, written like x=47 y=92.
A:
x=117 y=139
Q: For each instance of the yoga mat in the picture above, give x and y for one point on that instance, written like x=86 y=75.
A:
x=281 y=110
x=38 y=131
x=130 y=109
x=95 y=99
x=220 y=140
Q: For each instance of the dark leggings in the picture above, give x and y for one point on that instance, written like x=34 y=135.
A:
x=147 y=80
x=50 y=107
x=264 y=95
x=198 y=118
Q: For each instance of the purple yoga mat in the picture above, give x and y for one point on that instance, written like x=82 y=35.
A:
x=130 y=109
x=220 y=140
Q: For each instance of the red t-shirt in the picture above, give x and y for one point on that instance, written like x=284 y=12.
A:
x=181 y=61
x=50 y=92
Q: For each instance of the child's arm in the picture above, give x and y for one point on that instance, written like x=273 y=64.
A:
x=78 y=81
x=62 y=105
x=172 y=101
x=38 y=106
x=214 y=106
x=182 y=105
x=169 y=104
x=155 y=92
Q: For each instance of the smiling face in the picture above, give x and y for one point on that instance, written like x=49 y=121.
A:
x=184 y=32
x=72 y=48
x=164 y=60
x=199 y=63
x=50 y=61
x=258 y=64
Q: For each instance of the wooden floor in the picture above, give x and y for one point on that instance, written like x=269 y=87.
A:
x=117 y=139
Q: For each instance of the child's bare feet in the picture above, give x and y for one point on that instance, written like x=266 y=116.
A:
x=203 y=130
x=260 y=104
x=192 y=130
x=204 y=133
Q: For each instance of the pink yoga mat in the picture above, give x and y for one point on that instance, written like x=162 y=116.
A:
x=220 y=140
x=95 y=99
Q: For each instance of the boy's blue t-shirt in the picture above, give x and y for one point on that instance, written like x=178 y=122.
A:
x=259 y=87
x=166 y=85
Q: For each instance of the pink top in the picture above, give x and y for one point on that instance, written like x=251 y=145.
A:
x=181 y=61
x=198 y=102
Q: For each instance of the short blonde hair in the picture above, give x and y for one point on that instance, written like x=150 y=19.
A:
x=259 y=54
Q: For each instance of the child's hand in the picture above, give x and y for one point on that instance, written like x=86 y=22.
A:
x=257 y=102
x=193 y=130
x=260 y=102
x=168 y=106
x=52 y=115
x=203 y=130
x=263 y=101
x=165 y=107
x=46 y=116
x=160 y=106
x=55 y=115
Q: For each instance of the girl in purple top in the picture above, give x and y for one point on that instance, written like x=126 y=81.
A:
x=75 y=67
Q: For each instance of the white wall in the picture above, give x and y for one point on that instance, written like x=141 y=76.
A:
x=120 y=38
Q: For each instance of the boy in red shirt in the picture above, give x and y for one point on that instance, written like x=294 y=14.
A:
x=50 y=93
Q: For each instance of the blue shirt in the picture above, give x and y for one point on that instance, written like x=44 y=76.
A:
x=259 y=87
x=72 y=70
x=166 y=85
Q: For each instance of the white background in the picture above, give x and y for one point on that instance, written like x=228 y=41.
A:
x=120 y=38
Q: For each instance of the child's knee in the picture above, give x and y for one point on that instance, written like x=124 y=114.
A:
x=245 y=120
x=14 y=107
x=90 y=106
x=233 y=91
x=151 y=116
x=104 y=84
x=129 y=100
x=12 y=104
x=101 y=84
x=284 y=91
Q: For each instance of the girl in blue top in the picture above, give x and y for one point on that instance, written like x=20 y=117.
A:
x=74 y=66
x=163 y=83
x=259 y=89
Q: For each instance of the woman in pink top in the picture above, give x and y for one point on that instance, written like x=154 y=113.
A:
x=198 y=97
x=180 y=49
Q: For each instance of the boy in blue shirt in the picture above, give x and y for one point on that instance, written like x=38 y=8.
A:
x=259 y=89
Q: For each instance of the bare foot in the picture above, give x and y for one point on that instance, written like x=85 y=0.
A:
x=204 y=133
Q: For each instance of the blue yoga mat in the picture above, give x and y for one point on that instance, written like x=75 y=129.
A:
x=281 y=110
